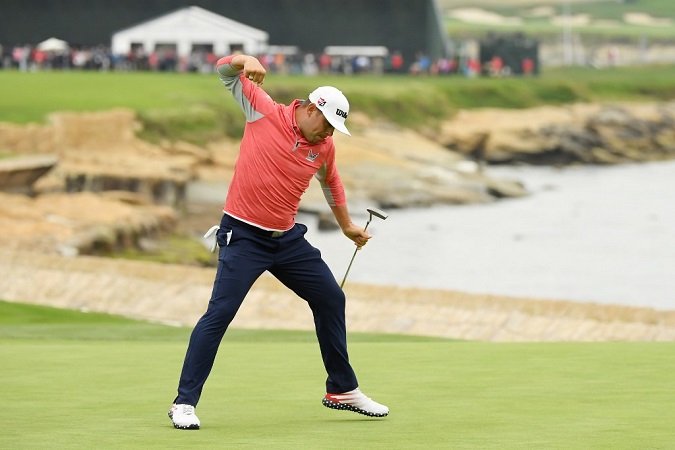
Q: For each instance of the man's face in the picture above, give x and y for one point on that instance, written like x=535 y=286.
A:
x=316 y=128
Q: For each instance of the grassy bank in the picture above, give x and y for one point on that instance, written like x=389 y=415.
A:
x=196 y=108
x=606 y=19
x=79 y=380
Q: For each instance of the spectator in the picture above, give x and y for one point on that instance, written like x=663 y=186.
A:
x=496 y=66
x=397 y=62
x=325 y=63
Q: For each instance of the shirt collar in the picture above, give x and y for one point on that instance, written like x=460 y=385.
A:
x=290 y=109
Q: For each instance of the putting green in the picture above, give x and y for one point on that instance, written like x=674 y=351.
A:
x=110 y=386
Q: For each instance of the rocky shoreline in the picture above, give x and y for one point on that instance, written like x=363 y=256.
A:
x=109 y=190
x=100 y=157
x=573 y=134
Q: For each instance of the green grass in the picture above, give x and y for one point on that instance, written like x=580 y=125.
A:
x=602 y=9
x=188 y=102
x=196 y=108
x=611 y=10
x=546 y=32
x=177 y=248
x=616 y=9
x=75 y=380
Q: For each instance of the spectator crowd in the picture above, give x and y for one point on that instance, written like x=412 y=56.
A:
x=100 y=58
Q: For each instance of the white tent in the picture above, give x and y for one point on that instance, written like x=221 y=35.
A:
x=188 y=28
x=53 y=45
x=363 y=50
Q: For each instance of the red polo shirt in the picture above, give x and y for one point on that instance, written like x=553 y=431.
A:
x=275 y=163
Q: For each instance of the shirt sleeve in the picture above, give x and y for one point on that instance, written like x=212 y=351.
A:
x=254 y=102
x=330 y=181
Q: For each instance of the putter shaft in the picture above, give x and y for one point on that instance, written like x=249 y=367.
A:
x=352 y=260
x=371 y=212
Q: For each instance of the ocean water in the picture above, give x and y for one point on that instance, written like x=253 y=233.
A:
x=588 y=234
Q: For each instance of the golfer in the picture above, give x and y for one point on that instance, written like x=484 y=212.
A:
x=283 y=147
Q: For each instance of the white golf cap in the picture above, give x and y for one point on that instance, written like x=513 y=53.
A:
x=334 y=106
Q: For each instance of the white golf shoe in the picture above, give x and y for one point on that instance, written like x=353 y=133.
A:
x=183 y=417
x=355 y=401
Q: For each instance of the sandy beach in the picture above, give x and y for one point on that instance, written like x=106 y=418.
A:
x=178 y=295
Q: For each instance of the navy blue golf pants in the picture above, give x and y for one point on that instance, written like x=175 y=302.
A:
x=245 y=253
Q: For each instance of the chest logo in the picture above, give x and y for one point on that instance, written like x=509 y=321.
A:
x=311 y=156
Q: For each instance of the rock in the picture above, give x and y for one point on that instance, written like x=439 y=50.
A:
x=100 y=151
x=588 y=134
x=81 y=223
x=602 y=156
x=327 y=222
x=20 y=173
x=99 y=157
x=505 y=188
x=160 y=191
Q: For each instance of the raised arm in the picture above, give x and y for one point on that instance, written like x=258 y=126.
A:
x=253 y=69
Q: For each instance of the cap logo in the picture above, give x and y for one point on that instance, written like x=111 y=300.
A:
x=333 y=105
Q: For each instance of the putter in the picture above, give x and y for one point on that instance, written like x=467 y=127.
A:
x=372 y=212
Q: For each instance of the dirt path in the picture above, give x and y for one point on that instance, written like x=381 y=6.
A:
x=178 y=295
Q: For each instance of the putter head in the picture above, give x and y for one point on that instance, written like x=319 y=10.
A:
x=377 y=213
